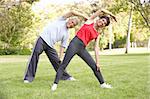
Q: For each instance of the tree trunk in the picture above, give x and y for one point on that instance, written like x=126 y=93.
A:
x=110 y=36
x=129 y=30
x=148 y=45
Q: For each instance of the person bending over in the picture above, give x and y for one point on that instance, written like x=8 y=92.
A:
x=78 y=44
x=54 y=32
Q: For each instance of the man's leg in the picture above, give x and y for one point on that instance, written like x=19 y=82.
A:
x=54 y=59
x=32 y=65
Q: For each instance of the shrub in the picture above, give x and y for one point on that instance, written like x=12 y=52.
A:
x=15 y=51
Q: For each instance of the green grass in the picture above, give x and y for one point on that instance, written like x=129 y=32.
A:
x=128 y=74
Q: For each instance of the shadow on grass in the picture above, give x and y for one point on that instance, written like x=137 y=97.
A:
x=130 y=54
x=2 y=94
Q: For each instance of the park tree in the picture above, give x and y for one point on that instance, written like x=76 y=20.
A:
x=140 y=20
x=142 y=7
x=16 y=19
x=20 y=25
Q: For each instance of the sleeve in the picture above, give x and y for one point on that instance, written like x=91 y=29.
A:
x=61 y=18
x=64 y=41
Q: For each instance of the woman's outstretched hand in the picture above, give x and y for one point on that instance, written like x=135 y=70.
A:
x=98 y=67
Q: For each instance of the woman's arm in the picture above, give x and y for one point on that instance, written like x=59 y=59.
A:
x=100 y=13
x=110 y=14
x=96 y=48
x=74 y=13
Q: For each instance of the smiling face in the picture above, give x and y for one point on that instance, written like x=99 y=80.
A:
x=72 y=23
x=101 y=22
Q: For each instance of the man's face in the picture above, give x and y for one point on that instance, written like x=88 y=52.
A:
x=72 y=23
x=101 y=22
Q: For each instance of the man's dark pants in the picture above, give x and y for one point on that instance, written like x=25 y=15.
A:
x=52 y=55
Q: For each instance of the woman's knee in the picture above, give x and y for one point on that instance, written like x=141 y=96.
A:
x=94 y=67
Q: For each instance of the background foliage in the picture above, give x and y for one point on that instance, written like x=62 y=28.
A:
x=21 y=22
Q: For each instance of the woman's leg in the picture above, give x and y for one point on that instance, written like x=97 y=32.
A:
x=54 y=59
x=70 y=52
x=89 y=60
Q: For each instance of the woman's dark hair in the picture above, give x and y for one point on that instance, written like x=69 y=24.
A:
x=107 y=19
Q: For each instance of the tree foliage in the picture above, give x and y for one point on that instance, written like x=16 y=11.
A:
x=21 y=24
x=16 y=22
x=143 y=9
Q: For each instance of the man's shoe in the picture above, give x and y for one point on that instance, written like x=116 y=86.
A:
x=71 y=78
x=26 y=81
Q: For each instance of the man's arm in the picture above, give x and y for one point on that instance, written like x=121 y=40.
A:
x=74 y=13
x=96 y=48
x=61 y=52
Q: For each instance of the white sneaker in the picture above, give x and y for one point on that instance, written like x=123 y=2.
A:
x=104 y=85
x=54 y=87
x=26 y=81
x=71 y=78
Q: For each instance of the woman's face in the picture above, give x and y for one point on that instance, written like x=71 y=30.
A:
x=72 y=23
x=101 y=22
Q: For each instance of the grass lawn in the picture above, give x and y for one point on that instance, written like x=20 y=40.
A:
x=128 y=74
